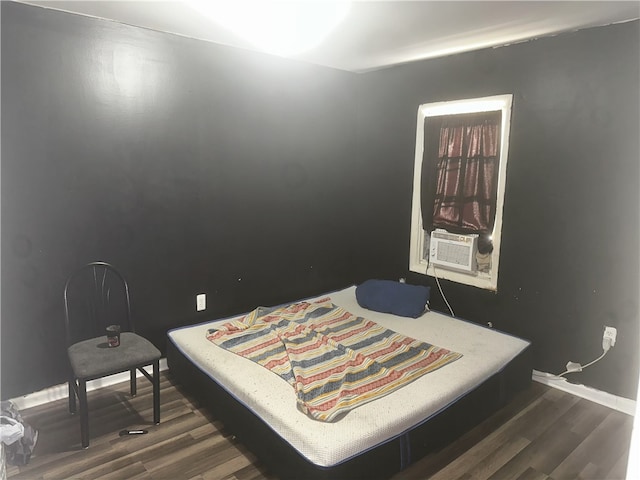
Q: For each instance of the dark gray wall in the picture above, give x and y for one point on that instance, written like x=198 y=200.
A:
x=190 y=166
x=570 y=253
x=259 y=180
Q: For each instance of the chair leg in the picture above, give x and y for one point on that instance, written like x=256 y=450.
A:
x=156 y=392
x=72 y=396
x=133 y=382
x=84 y=412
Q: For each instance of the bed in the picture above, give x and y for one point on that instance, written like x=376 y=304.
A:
x=375 y=439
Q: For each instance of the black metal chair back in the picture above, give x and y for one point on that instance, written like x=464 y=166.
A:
x=96 y=296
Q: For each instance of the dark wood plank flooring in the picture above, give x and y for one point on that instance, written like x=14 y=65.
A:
x=543 y=434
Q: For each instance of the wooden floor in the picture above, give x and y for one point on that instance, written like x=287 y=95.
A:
x=543 y=434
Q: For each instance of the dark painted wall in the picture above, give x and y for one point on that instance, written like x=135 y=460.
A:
x=258 y=180
x=190 y=166
x=570 y=253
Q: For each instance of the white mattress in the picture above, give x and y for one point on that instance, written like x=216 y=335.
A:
x=485 y=352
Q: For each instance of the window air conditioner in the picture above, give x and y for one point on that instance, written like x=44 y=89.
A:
x=453 y=251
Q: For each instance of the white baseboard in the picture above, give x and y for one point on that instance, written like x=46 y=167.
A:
x=621 y=404
x=58 y=392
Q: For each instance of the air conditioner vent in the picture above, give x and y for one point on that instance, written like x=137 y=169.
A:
x=453 y=251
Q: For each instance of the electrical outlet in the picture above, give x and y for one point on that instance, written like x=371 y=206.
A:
x=201 y=302
x=610 y=334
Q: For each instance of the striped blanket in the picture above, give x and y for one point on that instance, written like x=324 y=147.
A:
x=334 y=360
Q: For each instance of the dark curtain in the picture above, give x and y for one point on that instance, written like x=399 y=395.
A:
x=462 y=199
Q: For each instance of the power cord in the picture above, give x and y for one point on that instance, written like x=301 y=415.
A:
x=573 y=367
x=441 y=292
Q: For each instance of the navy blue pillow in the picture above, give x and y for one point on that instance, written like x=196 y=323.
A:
x=393 y=297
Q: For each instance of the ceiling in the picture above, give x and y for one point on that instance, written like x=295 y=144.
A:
x=378 y=34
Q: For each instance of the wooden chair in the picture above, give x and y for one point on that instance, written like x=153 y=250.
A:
x=97 y=296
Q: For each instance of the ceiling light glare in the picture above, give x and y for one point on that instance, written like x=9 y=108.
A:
x=284 y=28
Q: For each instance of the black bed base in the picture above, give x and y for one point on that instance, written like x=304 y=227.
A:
x=380 y=462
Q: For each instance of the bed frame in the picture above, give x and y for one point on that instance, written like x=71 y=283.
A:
x=380 y=462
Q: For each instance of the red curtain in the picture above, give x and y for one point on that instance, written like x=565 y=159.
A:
x=467 y=168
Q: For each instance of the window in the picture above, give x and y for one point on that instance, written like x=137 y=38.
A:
x=458 y=189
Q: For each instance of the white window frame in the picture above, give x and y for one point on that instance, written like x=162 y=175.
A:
x=417 y=262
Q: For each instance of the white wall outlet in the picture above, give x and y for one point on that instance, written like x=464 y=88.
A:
x=201 y=302
x=610 y=334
